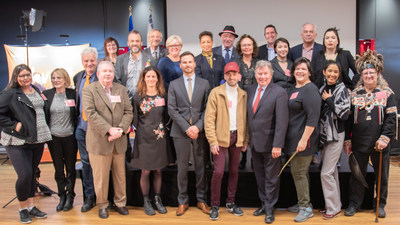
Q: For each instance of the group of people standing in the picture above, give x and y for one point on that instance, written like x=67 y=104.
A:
x=272 y=100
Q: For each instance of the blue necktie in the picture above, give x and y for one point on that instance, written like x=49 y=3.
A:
x=227 y=56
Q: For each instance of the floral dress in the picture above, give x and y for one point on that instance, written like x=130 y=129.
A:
x=150 y=117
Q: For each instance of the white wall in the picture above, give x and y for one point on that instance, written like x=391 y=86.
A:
x=188 y=18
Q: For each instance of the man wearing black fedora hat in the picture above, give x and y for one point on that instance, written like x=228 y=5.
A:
x=226 y=50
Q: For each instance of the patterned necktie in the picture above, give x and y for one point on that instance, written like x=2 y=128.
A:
x=155 y=55
x=227 y=55
x=87 y=82
x=257 y=100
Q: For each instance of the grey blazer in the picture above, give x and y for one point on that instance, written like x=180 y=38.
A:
x=268 y=125
x=181 y=110
x=163 y=52
x=121 y=67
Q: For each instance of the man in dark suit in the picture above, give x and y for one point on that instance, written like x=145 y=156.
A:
x=187 y=99
x=130 y=64
x=82 y=79
x=109 y=116
x=226 y=50
x=267 y=51
x=309 y=48
x=268 y=116
x=154 y=49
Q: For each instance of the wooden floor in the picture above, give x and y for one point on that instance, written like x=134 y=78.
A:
x=193 y=216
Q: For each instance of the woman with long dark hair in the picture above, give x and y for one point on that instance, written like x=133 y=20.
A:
x=334 y=113
x=24 y=132
x=331 y=50
x=150 y=148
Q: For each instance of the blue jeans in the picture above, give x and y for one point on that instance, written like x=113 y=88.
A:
x=87 y=176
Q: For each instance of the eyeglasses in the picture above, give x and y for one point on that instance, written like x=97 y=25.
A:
x=372 y=73
x=24 y=75
x=175 y=46
x=111 y=45
x=247 y=45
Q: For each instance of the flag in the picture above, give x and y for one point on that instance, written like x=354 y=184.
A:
x=130 y=19
x=150 y=23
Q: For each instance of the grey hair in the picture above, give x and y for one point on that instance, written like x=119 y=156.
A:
x=103 y=63
x=89 y=50
x=382 y=83
x=154 y=30
x=264 y=63
x=315 y=27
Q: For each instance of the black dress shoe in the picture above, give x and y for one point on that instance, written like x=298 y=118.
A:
x=122 y=210
x=269 y=217
x=103 y=213
x=61 y=204
x=68 y=203
x=88 y=204
x=350 y=211
x=260 y=211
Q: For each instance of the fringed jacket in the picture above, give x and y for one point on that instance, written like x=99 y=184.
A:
x=334 y=113
x=374 y=118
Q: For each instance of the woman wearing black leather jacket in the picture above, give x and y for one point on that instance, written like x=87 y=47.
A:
x=24 y=132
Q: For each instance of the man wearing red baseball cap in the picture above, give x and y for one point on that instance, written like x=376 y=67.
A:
x=226 y=50
x=225 y=125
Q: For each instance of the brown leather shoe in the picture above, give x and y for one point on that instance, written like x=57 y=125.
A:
x=103 y=213
x=182 y=209
x=203 y=207
x=122 y=210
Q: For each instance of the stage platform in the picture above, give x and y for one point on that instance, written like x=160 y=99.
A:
x=246 y=195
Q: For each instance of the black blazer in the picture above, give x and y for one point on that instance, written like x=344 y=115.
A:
x=71 y=95
x=268 y=125
x=77 y=82
x=263 y=52
x=345 y=60
x=214 y=75
x=279 y=77
x=16 y=107
x=297 y=51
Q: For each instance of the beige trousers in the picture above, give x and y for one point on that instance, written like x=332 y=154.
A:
x=101 y=166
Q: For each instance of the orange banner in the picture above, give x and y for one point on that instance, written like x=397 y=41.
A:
x=44 y=59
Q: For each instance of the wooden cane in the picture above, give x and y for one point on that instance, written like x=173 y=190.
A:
x=287 y=163
x=379 y=183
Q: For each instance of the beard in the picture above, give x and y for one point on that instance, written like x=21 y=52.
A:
x=135 y=49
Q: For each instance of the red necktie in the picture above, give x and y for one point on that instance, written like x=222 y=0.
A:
x=257 y=100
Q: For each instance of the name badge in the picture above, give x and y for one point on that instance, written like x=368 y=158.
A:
x=70 y=102
x=160 y=102
x=294 y=95
x=115 y=98
x=44 y=97
x=230 y=104
x=380 y=95
x=287 y=73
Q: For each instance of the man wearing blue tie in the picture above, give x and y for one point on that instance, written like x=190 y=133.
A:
x=226 y=50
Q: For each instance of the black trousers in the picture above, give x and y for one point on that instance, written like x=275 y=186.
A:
x=63 y=151
x=25 y=159
x=356 y=193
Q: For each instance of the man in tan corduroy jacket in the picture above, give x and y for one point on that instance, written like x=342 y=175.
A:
x=226 y=130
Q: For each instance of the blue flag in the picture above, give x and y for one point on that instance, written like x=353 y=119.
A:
x=130 y=19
